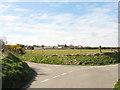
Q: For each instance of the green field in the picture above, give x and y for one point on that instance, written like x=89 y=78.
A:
x=71 y=57
x=66 y=51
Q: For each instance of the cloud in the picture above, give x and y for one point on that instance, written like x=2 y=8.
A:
x=92 y=29
x=9 y=18
x=60 y=1
x=2 y=35
x=55 y=4
x=4 y=7
x=20 y=10
x=11 y=0
x=11 y=8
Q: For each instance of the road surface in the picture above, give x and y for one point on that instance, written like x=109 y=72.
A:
x=69 y=76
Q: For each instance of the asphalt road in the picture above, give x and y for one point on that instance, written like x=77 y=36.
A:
x=69 y=76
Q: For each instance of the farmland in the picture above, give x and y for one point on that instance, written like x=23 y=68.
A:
x=66 y=51
x=71 y=57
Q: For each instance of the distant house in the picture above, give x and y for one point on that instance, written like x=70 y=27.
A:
x=49 y=47
x=61 y=46
x=80 y=46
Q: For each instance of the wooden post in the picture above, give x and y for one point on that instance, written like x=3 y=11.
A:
x=81 y=49
x=42 y=50
x=111 y=49
x=118 y=48
x=100 y=49
x=31 y=51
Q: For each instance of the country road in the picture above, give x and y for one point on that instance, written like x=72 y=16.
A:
x=69 y=76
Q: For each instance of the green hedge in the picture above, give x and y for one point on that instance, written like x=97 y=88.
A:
x=15 y=73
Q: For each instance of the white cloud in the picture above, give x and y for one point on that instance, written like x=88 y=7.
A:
x=11 y=8
x=2 y=35
x=11 y=0
x=95 y=28
x=9 y=18
x=20 y=10
x=4 y=7
x=60 y=0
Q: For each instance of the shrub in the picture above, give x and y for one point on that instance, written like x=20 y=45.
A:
x=16 y=48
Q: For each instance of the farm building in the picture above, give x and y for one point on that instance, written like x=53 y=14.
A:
x=60 y=46
x=49 y=47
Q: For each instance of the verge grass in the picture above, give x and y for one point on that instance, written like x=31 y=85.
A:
x=117 y=85
x=15 y=72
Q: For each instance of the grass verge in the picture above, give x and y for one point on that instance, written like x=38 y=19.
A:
x=117 y=85
x=15 y=72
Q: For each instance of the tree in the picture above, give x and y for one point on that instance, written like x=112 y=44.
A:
x=71 y=46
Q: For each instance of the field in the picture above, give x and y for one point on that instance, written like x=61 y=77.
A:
x=66 y=51
x=71 y=57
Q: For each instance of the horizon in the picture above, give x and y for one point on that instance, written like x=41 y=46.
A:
x=51 y=23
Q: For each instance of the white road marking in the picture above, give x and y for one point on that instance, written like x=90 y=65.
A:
x=56 y=65
x=56 y=76
x=70 y=71
x=63 y=73
x=45 y=80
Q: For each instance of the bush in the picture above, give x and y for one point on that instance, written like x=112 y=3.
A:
x=15 y=73
x=16 y=48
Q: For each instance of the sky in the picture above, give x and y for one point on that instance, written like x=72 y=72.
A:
x=53 y=23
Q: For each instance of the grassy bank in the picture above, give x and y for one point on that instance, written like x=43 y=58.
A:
x=117 y=85
x=71 y=57
x=15 y=72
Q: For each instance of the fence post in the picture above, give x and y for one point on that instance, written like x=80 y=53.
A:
x=111 y=49
x=100 y=49
x=42 y=50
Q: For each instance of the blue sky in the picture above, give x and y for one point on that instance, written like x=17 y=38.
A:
x=52 y=23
